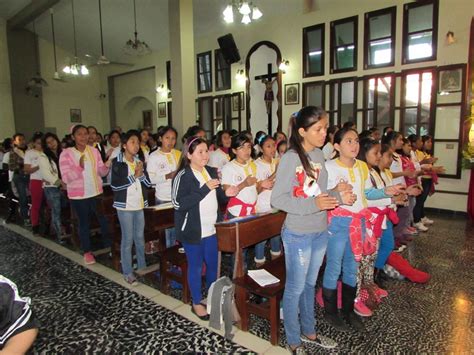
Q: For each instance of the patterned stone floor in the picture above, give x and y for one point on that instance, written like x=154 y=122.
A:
x=82 y=312
x=432 y=318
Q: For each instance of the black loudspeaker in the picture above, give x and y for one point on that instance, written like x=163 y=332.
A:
x=229 y=49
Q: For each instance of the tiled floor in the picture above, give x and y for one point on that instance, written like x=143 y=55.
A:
x=432 y=318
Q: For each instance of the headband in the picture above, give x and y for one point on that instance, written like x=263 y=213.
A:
x=262 y=139
x=192 y=140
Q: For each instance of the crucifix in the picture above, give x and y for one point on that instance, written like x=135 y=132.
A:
x=268 y=80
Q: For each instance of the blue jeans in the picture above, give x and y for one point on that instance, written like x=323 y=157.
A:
x=22 y=182
x=84 y=209
x=339 y=256
x=275 y=247
x=132 y=224
x=196 y=254
x=387 y=243
x=56 y=201
x=303 y=257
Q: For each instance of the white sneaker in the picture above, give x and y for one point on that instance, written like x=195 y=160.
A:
x=427 y=221
x=421 y=227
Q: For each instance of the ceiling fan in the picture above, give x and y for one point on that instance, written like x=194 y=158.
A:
x=103 y=60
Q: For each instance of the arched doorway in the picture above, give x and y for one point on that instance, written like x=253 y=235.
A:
x=138 y=112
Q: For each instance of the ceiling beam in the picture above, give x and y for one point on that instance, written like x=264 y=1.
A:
x=29 y=13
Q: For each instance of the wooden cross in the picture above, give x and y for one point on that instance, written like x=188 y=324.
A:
x=269 y=77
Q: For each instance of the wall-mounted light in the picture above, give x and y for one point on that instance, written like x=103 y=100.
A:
x=240 y=76
x=284 y=65
x=450 y=38
x=160 y=89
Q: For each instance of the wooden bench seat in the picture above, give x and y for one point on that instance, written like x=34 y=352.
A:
x=169 y=258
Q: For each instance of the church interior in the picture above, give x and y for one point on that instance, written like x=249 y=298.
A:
x=151 y=81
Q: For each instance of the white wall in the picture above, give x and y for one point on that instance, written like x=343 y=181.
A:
x=7 y=121
x=74 y=93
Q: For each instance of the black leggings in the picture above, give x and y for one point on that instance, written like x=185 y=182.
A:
x=419 y=210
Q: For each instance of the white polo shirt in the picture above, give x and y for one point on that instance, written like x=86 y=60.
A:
x=264 y=171
x=207 y=206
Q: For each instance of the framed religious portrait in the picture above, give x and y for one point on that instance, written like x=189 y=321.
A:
x=292 y=94
x=75 y=114
x=235 y=101
x=162 y=109
x=450 y=80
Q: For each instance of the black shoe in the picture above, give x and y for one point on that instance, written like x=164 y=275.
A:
x=330 y=309
x=348 y=297
x=36 y=230
x=206 y=317
x=380 y=277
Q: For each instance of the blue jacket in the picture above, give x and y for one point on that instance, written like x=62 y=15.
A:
x=121 y=181
x=186 y=195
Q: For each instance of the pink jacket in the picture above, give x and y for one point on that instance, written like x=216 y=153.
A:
x=71 y=172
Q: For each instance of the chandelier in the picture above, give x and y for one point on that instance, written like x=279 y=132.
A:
x=135 y=46
x=248 y=11
x=74 y=68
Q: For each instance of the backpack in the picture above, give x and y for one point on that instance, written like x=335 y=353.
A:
x=221 y=305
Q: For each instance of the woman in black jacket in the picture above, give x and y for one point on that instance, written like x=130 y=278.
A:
x=195 y=193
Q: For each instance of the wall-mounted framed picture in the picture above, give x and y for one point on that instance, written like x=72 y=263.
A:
x=75 y=114
x=162 y=109
x=292 y=94
x=235 y=101
x=450 y=80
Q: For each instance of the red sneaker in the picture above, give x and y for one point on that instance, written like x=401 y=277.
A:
x=89 y=258
x=361 y=309
x=381 y=293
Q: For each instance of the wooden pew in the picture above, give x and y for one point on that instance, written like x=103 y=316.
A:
x=235 y=235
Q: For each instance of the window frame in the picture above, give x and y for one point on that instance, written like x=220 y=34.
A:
x=224 y=71
x=321 y=83
x=322 y=27
x=168 y=78
x=434 y=31
x=333 y=48
x=392 y=11
x=403 y=106
x=198 y=72
x=365 y=102
x=331 y=112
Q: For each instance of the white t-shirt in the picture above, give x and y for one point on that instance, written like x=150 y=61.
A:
x=113 y=155
x=6 y=160
x=134 y=192
x=207 y=206
x=89 y=174
x=397 y=167
x=32 y=159
x=218 y=158
x=264 y=171
x=233 y=174
x=159 y=164
x=357 y=176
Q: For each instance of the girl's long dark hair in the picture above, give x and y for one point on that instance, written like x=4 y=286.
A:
x=238 y=141
x=331 y=130
x=305 y=118
x=189 y=147
x=52 y=156
x=162 y=131
x=366 y=144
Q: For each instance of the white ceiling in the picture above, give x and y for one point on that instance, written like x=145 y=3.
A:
x=117 y=17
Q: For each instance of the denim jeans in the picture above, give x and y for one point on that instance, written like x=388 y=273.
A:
x=419 y=210
x=275 y=247
x=386 y=246
x=132 y=224
x=303 y=257
x=21 y=182
x=84 y=209
x=56 y=201
x=339 y=255
x=196 y=254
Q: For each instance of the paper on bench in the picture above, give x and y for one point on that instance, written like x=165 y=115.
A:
x=162 y=206
x=263 y=277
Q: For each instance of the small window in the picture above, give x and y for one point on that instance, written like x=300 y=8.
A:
x=379 y=44
x=343 y=101
x=420 y=31
x=378 y=101
x=222 y=73
x=344 y=45
x=204 y=65
x=313 y=93
x=313 y=50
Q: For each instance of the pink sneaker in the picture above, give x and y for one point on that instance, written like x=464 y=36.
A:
x=89 y=258
x=381 y=293
x=361 y=309
x=319 y=297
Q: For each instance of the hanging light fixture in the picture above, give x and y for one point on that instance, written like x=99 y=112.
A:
x=56 y=75
x=102 y=59
x=36 y=82
x=135 y=46
x=248 y=11
x=74 y=67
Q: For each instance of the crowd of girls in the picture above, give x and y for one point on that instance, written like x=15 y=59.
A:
x=353 y=199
